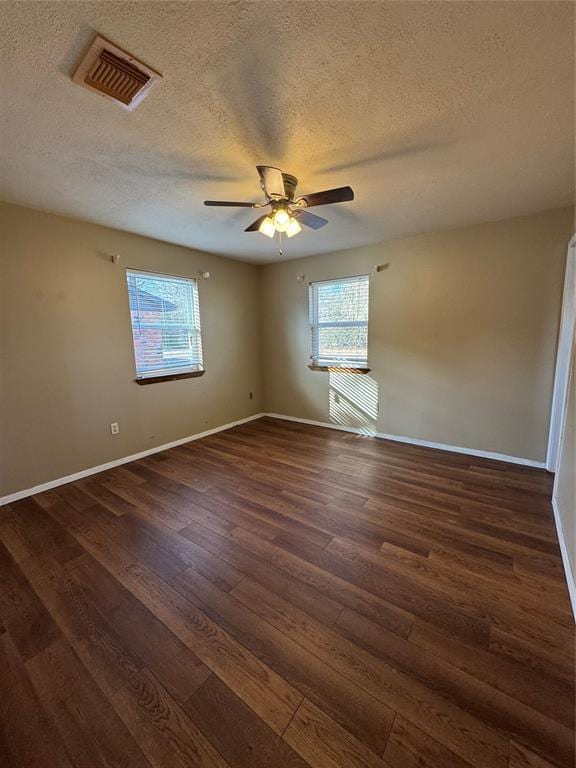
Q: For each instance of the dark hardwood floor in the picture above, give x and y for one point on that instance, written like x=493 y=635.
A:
x=282 y=595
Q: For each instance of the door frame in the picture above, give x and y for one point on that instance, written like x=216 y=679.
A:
x=563 y=359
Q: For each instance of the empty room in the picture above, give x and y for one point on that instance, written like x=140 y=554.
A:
x=287 y=384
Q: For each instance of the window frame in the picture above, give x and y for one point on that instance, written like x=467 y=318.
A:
x=175 y=373
x=318 y=363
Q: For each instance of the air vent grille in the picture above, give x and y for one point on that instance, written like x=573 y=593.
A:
x=117 y=77
x=114 y=73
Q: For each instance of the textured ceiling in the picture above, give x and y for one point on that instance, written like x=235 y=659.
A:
x=438 y=114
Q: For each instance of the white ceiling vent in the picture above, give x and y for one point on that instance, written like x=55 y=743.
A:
x=115 y=74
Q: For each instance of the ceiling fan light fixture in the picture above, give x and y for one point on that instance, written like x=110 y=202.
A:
x=293 y=228
x=267 y=227
x=281 y=219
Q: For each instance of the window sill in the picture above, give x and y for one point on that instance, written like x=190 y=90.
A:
x=169 y=377
x=339 y=368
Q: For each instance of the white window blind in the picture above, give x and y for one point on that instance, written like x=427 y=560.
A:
x=165 y=324
x=339 y=322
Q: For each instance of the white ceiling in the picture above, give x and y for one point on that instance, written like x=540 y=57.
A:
x=438 y=114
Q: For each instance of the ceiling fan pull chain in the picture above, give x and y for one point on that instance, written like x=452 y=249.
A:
x=280 y=251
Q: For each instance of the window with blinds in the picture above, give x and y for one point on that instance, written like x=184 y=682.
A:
x=339 y=322
x=165 y=324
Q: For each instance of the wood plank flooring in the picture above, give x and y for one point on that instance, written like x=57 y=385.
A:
x=285 y=596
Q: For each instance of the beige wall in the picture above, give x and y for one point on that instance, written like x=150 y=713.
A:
x=565 y=486
x=462 y=336
x=463 y=328
x=67 y=364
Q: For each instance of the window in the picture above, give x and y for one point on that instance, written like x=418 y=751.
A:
x=165 y=325
x=339 y=322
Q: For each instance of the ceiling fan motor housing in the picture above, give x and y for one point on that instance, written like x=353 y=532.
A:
x=290 y=184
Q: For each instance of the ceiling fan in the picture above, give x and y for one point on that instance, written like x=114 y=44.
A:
x=286 y=213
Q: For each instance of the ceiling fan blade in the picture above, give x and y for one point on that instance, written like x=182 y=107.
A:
x=255 y=226
x=339 y=195
x=271 y=180
x=228 y=203
x=310 y=219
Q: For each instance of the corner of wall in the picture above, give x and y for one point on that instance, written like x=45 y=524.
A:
x=262 y=340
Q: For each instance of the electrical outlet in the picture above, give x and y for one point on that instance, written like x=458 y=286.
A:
x=114 y=428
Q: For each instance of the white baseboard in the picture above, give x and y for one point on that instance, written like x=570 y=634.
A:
x=125 y=459
x=415 y=441
x=117 y=462
x=570 y=576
